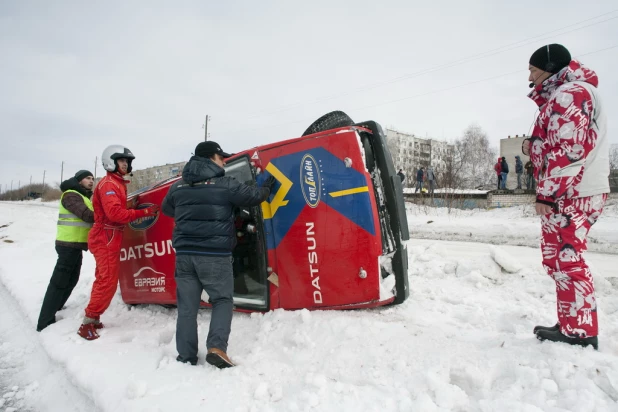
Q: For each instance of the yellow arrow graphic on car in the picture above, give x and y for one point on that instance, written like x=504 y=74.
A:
x=270 y=208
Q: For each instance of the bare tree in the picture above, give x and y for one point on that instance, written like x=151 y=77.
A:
x=613 y=157
x=470 y=165
x=31 y=191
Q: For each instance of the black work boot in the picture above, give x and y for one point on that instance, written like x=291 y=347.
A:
x=550 y=328
x=557 y=336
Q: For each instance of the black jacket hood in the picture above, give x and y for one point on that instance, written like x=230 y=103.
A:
x=73 y=184
x=199 y=169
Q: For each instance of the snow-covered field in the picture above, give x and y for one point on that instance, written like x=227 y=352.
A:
x=509 y=226
x=462 y=342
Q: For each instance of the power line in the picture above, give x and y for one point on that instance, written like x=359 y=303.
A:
x=474 y=57
x=470 y=83
x=418 y=95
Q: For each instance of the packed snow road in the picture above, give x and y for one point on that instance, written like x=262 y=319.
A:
x=29 y=379
x=462 y=342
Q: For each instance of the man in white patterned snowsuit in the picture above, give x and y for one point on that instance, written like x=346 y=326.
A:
x=570 y=152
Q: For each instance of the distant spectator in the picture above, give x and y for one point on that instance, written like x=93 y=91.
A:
x=420 y=175
x=504 y=172
x=401 y=176
x=498 y=170
x=519 y=169
x=431 y=178
x=530 y=183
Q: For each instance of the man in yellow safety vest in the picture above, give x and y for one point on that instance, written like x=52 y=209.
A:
x=75 y=218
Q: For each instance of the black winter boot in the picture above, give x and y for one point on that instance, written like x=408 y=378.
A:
x=557 y=336
x=551 y=328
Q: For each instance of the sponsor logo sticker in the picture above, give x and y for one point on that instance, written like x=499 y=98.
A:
x=152 y=281
x=310 y=180
x=146 y=222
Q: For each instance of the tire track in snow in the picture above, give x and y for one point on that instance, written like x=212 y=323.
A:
x=29 y=379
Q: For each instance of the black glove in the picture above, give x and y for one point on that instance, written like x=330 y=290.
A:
x=269 y=182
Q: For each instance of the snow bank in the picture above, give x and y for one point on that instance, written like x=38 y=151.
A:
x=517 y=225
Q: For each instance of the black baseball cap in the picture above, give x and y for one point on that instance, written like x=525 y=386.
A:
x=210 y=148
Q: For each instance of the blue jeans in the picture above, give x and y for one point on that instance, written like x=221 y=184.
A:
x=503 y=182
x=530 y=182
x=213 y=274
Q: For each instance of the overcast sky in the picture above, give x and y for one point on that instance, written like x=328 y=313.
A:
x=77 y=76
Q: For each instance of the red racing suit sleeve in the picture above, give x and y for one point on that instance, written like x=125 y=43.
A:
x=562 y=139
x=115 y=207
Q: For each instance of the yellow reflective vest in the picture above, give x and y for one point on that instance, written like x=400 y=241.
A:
x=70 y=227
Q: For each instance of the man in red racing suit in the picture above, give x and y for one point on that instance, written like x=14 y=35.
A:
x=105 y=238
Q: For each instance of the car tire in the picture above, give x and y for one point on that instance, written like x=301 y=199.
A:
x=329 y=121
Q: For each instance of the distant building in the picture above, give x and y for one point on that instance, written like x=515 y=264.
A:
x=151 y=175
x=509 y=148
x=411 y=152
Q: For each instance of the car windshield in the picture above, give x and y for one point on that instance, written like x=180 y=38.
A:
x=155 y=185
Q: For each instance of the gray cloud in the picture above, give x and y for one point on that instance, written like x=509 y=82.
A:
x=78 y=76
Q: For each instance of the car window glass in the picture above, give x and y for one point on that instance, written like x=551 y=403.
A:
x=240 y=169
x=155 y=185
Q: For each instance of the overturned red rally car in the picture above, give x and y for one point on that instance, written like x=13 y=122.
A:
x=330 y=236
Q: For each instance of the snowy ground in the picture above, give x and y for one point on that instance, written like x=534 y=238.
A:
x=461 y=342
x=509 y=226
x=29 y=380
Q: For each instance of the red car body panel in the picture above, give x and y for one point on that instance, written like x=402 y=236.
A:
x=319 y=241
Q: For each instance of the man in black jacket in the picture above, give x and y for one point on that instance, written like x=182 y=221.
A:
x=75 y=218
x=505 y=172
x=202 y=205
x=401 y=176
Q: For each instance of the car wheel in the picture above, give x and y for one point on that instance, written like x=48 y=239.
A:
x=330 y=120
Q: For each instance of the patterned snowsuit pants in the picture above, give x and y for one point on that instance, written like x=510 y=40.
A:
x=563 y=241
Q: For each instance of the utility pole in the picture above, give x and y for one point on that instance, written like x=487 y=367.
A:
x=43 y=189
x=31 y=182
x=62 y=171
x=95 y=167
x=206 y=128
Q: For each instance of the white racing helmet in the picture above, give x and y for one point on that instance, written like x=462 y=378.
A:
x=114 y=152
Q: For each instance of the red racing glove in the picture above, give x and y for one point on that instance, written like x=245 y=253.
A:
x=150 y=211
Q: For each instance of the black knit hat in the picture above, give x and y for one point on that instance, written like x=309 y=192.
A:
x=82 y=174
x=209 y=148
x=551 y=58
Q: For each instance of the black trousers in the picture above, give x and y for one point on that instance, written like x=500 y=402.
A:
x=61 y=284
